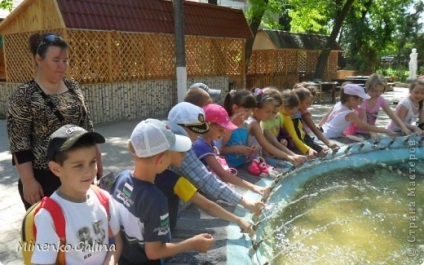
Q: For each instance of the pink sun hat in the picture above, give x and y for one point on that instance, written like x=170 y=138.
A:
x=215 y=113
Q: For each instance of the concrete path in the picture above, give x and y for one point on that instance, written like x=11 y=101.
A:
x=116 y=158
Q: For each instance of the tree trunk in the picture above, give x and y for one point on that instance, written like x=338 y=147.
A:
x=331 y=42
x=254 y=26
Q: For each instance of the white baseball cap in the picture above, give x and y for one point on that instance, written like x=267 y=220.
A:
x=190 y=116
x=355 y=90
x=151 y=137
x=214 y=93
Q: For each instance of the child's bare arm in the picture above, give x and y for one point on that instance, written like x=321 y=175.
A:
x=237 y=149
x=216 y=210
x=157 y=250
x=269 y=135
x=256 y=131
x=402 y=111
x=351 y=117
x=307 y=119
x=254 y=206
x=324 y=119
x=273 y=140
x=396 y=119
x=112 y=257
x=227 y=177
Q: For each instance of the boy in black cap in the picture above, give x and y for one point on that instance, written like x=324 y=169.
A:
x=92 y=232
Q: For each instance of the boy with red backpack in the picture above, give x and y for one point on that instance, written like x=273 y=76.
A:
x=78 y=223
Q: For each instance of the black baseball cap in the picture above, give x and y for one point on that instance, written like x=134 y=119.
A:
x=66 y=137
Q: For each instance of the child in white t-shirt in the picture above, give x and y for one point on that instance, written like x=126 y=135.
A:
x=342 y=114
x=410 y=109
x=369 y=108
x=72 y=154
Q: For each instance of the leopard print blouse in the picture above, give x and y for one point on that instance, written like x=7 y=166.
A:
x=30 y=121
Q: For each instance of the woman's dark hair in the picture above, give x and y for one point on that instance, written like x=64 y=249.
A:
x=242 y=98
x=39 y=43
x=290 y=99
x=417 y=82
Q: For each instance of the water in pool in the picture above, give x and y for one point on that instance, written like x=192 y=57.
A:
x=368 y=215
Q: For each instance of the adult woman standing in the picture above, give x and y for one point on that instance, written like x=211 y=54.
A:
x=38 y=108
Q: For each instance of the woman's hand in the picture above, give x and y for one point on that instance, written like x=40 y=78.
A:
x=33 y=192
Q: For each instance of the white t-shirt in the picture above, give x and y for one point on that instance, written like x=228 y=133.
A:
x=86 y=231
x=410 y=118
x=336 y=122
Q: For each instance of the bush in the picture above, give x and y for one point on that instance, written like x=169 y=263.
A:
x=400 y=74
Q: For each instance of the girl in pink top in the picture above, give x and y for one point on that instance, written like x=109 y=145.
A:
x=336 y=121
x=369 y=108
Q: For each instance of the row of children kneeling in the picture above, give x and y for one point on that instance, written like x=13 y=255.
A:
x=133 y=225
x=247 y=130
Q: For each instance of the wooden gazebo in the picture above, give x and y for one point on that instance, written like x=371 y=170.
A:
x=282 y=58
x=123 y=52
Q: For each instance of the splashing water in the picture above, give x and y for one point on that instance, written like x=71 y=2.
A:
x=368 y=215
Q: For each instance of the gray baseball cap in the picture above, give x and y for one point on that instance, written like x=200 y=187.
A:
x=214 y=93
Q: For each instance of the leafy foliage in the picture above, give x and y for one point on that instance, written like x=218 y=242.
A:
x=6 y=4
x=371 y=29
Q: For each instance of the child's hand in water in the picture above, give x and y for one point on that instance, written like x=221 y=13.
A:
x=332 y=145
x=254 y=206
x=374 y=136
x=418 y=131
x=260 y=190
x=297 y=160
x=390 y=133
x=311 y=153
x=244 y=225
x=406 y=131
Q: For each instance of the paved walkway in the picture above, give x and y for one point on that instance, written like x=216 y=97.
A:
x=116 y=158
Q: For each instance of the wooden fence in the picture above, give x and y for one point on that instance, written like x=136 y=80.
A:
x=111 y=56
x=283 y=68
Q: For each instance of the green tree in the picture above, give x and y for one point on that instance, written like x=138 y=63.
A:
x=366 y=29
x=313 y=16
x=375 y=29
x=341 y=11
x=6 y=4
